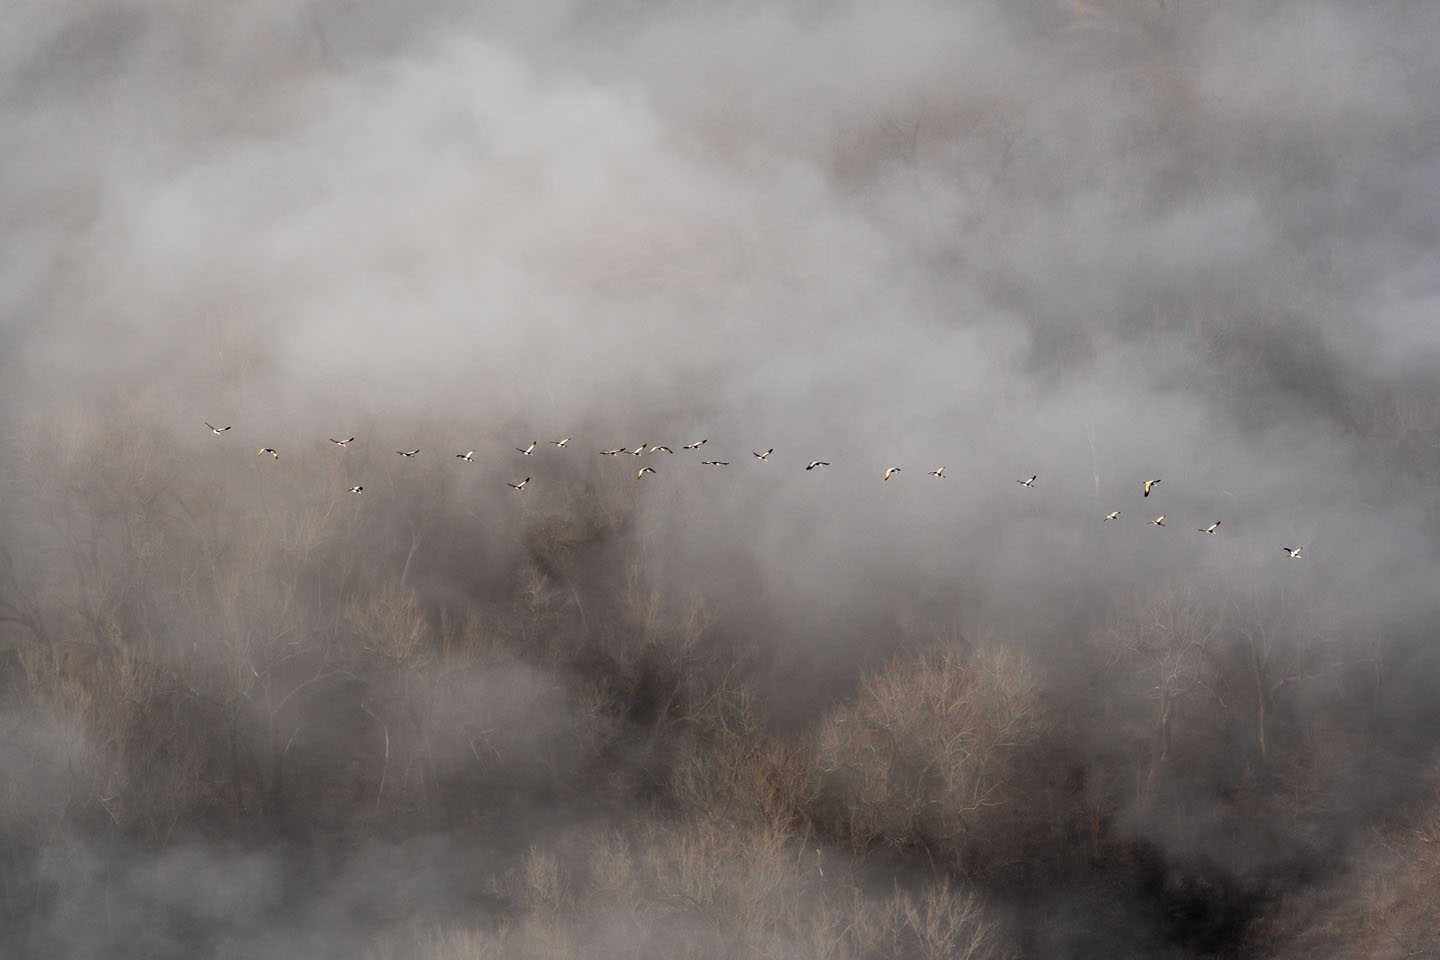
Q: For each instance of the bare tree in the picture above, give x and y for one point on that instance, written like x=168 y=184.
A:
x=1163 y=641
x=932 y=750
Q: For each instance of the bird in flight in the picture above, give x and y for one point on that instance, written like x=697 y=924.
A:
x=640 y=449
x=1028 y=483
x=660 y=446
x=1294 y=552
x=938 y=472
x=216 y=430
x=407 y=453
x=763 y=456
x=817 y=463
x=530 y=450
x=1112 y=515
x=1148 y=485
x=341 y=443
x=357 y=489
x=697 y=444
x=1159 y=521
x=518 y=486
x=561 y=443
x=715 y=463
x=270 y=450
x=890 y=470
x=613 y=453
x=1209 y=529
x=642 y=471
x=467 y=456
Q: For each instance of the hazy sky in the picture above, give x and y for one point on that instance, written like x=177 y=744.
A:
x=1100 y=242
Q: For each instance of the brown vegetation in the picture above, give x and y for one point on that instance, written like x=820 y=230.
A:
x=180 y=672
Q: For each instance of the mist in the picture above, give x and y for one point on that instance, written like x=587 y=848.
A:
x=719 y=710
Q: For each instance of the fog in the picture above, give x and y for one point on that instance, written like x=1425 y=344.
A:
x=246 y=713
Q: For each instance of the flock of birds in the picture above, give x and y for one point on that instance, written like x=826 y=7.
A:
x=646 y=449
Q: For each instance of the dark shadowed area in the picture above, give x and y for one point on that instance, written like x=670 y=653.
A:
x=741 y=710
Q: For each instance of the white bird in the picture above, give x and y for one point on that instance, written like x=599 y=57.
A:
x=518 y=486
x=1294 y=552
x=216 y=430
x=890 y=470
x=561 y=443
x=697 y=444
x=1112 y=515
x=1028 y=483
x=612 y=453
x=530 y=450
x=357 y=489
x=715 y=463
x=467 y=456
x=270 y=450
x=408 y=453
x=817 y=463
x=341 y=443
x=642 y=471
x=1148 y=485
x=640 y=449
x=660 y=446
x=763 y=456
x=1209 y=529
x=1159 y=521
x=938 y=472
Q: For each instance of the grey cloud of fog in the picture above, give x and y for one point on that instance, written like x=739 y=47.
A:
x=1101 y=242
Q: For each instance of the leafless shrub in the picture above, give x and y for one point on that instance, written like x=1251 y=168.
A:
x=942 y=923
x=1383 y=907
x=705 y=889
x=933 y=749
